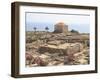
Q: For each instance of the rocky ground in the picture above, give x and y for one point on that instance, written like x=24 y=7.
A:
x=51 y=49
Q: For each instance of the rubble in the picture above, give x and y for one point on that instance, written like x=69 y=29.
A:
x=50 y=49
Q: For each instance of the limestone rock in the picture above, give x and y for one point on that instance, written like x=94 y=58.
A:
x=54 y=42
x=49 y=49
x=76 y=47
x=39 y=61
x=28 y=58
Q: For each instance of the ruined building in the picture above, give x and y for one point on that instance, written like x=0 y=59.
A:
x=61 y=28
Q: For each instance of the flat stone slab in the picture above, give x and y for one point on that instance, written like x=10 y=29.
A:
x=62 y=48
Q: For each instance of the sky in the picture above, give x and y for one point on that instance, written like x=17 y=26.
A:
x=42 y=20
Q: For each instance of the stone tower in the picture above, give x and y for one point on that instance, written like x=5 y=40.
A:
x=61 y=28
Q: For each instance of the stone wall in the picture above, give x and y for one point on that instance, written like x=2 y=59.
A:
x=61 y=28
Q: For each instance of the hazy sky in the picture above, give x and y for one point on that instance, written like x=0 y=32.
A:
x=41 y=20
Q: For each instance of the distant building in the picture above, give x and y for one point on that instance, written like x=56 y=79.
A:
x=61 y=28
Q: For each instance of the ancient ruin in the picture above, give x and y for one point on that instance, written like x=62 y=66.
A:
x=57 y=48
x=61 y=28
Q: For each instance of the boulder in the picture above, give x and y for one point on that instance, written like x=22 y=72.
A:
x=44 y=57
x=54 y=63
x=39 y=61
x=44 y=49
x=54 y=42
x=28 y=58
x=74 y=48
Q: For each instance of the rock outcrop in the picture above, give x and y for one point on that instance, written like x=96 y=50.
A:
x=49 y=49
x=66 y=48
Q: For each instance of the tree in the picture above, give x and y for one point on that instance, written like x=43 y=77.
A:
x=35 y=29
x=46 y=28
x=74 y=31
x=35 y=35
